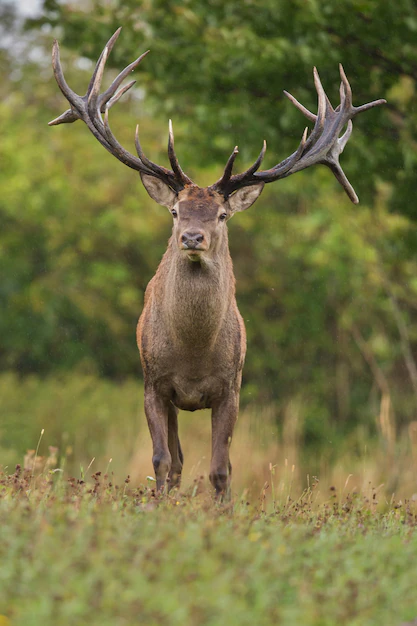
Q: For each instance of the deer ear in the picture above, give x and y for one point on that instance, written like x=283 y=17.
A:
x=245 y=197
x=159 y=191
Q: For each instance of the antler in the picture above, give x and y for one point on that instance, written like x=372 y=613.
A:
x=90 y=108
x=322 y=146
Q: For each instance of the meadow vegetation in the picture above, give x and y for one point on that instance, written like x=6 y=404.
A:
x=93 y=550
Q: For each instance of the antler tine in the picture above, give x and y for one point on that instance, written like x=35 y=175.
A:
x=109 y=45
x=254 y=167
x=171 y=178
x=321 y=112
x=173 y=157
x=144 y=159
x=346 y=101
x=117 y=96
x=348 y=90
x=70 y=95
x=222 y=182
x=342 y=141
x=309 y=115
x=68 y=117
x=345 y=92
x=343 y=180
x=92 y=95
x=323 y=106
x=369 y=105
x=228 y=183
x=107 y=95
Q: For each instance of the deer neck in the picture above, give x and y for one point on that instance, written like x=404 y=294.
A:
x=197 y=296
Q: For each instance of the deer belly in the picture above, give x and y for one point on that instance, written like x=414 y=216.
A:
x=191 y=395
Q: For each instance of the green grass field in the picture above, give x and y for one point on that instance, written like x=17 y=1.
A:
x=76 y=552
x=305 y=540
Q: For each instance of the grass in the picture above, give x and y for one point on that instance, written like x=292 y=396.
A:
x=304 y=541
x=78 y=552
x=90 y=421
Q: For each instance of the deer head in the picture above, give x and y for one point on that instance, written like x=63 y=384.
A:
x=200 y=215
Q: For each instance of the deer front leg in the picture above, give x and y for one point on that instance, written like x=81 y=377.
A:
x=174 y=477
x=223 y=420
x=156 y=410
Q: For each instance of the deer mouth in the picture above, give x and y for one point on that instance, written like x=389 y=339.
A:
x=194 y=254
x=193 y=250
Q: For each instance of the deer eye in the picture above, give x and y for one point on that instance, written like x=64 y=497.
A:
x=174 y=213
x=222 y=217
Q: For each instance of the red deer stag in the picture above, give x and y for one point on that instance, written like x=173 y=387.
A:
x=191 y=335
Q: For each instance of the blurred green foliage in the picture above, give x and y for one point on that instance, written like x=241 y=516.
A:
x=328 y=291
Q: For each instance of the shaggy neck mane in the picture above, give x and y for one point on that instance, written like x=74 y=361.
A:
x=196 y=295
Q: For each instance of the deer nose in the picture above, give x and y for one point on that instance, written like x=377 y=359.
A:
x=191 y=239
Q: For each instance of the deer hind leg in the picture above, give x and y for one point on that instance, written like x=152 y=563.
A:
x=156 y=410
x=174 y=476
x=223 y=418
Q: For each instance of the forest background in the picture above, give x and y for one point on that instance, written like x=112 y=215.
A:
x=328 y=290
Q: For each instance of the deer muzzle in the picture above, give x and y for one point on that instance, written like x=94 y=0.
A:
x=193 y=241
